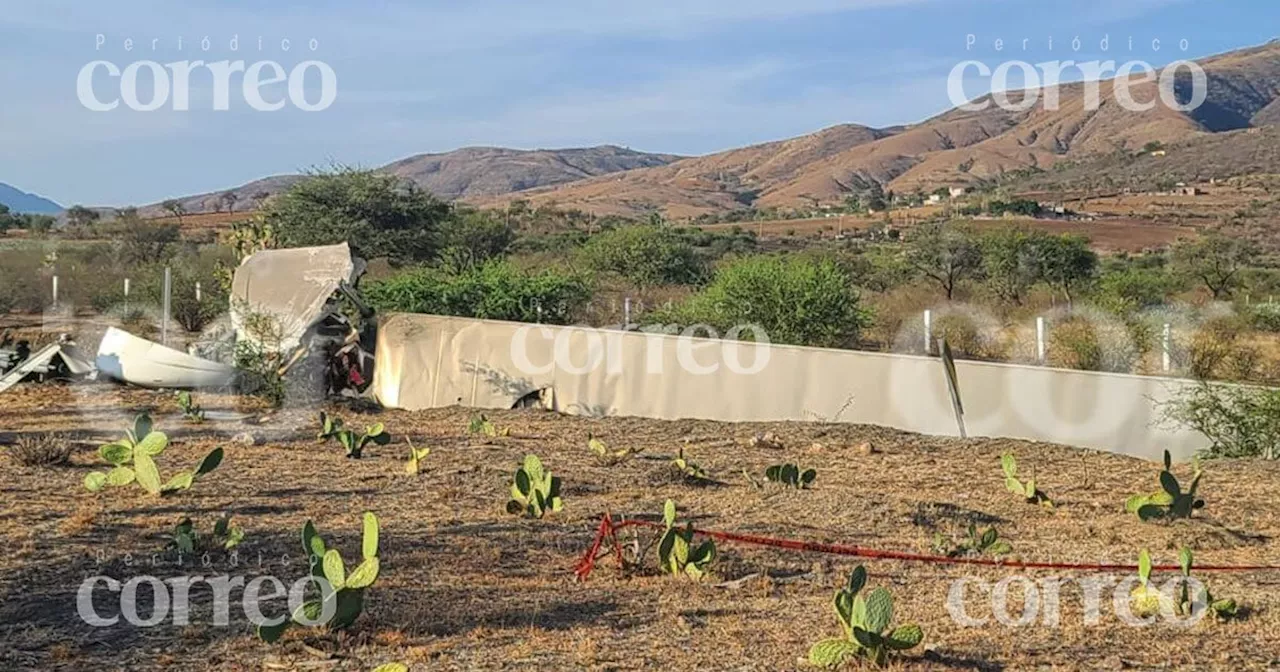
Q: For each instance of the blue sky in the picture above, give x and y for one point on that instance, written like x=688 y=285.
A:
x=682 y=76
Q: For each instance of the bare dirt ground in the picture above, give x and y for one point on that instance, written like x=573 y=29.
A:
x=465 y=586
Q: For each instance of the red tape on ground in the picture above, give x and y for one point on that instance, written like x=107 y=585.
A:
x=609 y=531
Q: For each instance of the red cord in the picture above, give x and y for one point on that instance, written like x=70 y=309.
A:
x=608 y=529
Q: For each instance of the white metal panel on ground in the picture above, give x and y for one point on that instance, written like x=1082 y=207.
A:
x=131 y=359
x=426 y=361
x=290 y=287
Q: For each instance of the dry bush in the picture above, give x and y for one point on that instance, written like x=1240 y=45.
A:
x=971 y=337
x=898 y=311
x=1218 y=351
x=44 y=449
x=1093 y=345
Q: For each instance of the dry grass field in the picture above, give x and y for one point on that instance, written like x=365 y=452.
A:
x=464 y=585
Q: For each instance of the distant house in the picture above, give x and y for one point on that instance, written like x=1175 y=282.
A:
x=934 y=199
x=957 y=192
x=1184 y=190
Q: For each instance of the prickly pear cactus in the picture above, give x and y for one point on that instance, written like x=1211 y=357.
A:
x=790 y=475
x=1145 y=599
x=1027 y=490
x=534 y=490
x=866 y=627
x=133 y=461
x=345 y=590
x=1170 y=502
x=832 y=653
x=676 y=552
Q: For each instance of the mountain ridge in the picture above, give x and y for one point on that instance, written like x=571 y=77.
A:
x=19 y=201
x=957 y=147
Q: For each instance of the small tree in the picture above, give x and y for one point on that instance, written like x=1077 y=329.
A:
x=796 y=300
x=1066 y=262
x=229 y=198
x=1239 y=421
x=78 y=215
x=176 y=208
x=473 y=237
x=144 y=242
x=1009 y=262
x=380 y=215
x=645 y=255
x=1216 y=260
x=945 y=254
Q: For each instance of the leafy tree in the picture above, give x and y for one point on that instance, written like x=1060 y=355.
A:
x=875 y=199
x=175 y=208
x=8 y=220
x=229 y=198
x=1017 y=206
x=473 y=236
x=1066 y=262
x=37 y=223
x=1133 y=288
x=1216 y=260
x=645 y=255
x=494 y=290
x=945 y=253
x=379 y=215
x=144 y=241
x=78 y=215
x=796 y=300
x=1009 y=262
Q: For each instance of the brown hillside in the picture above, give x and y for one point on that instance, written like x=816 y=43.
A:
x=957 y=147
x=464 y=173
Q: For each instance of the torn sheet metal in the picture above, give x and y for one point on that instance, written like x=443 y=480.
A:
x=59 y=360
x=135 y=360
x=289 y=290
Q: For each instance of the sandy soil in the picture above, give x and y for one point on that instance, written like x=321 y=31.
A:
x=465 y=586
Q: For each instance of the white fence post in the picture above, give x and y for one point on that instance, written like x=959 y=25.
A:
x=1040 y=337
x=1166 y=345
x=164 y=320
x=197 y=292
x=626 y=313
x=55 y=291
x=928 y=332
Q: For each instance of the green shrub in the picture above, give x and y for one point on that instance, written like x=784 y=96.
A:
x=1239 y=421
x=495 y=290
x=645 y=255
x=796 y=300
x=1133 y=289
x=378 y=214
x=473 y=237
x=1266 y=317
